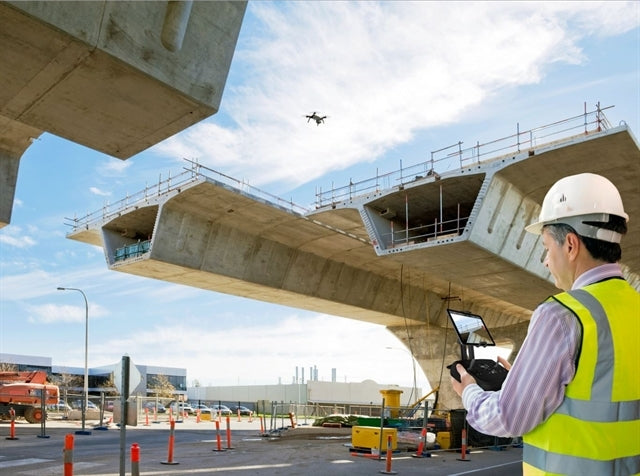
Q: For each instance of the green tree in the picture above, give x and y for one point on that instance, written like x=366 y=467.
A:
x=8 y=367
x=108 y=386
x=67 y=381
x=162 y=387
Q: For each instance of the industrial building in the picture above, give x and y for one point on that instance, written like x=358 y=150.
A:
x=98 y=376
x=342 y=395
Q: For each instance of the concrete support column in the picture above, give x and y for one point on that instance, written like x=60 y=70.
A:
x=15 y=138
x=8 y=178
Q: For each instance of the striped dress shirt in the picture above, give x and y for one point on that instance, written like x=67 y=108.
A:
x=545 y=365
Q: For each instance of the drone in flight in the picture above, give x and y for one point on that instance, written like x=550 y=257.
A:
x=315 y=117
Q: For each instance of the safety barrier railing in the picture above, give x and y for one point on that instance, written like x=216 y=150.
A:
x=455 y=157
x=149 y=192
x=420 y=234
x=191 y=174
x=132 y=251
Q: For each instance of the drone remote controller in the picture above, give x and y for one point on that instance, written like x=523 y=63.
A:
x=489 y=374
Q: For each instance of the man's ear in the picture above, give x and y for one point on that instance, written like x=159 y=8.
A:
x=573 y=243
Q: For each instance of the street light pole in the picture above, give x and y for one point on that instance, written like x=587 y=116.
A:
x=86 y=362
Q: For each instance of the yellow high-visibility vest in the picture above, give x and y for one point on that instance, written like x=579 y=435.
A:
x=596 y=429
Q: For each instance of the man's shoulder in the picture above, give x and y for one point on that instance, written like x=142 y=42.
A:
x=552 y=308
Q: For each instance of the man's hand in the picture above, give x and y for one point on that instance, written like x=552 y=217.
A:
x=465 y=379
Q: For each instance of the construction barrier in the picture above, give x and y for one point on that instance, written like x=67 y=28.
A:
x=229 y=447
x=135 y=459
x=423 y=438
x=172 y=424
x=463 y=451
x=198 y=416
x=68 y=455
x=12 y=428
x=218 y=440
x=292 y=419
x=146 y=417
x=387 y=469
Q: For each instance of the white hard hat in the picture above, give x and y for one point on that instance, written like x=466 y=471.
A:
x=581 y=201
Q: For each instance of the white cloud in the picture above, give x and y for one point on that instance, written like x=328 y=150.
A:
x=53 y=314
x=599 y=19
x=111 y=167
x=381 y=72
x=263 y=353
x=99 y=192
x=16 y=237
x=38 y=283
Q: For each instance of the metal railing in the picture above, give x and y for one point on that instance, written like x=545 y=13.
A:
x=455 y=157
x=419 y=234
x=109 y=210
x=133 y=250
x=195 y=172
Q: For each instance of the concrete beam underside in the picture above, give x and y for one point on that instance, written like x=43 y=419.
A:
x=213 y=238
x=102 y=74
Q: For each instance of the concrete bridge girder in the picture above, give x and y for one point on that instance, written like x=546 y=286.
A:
x=215 y=255
x=209 y=231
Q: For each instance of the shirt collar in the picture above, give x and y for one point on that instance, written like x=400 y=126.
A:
x=608 y=270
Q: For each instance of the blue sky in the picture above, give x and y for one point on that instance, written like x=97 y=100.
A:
x=397 y=81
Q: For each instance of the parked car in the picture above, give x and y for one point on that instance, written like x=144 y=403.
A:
x=61 y=406
x=203 y=409
x=159 y=407
x=185 y=407
x=243 y=410
x=77 y=404
x=220 y=409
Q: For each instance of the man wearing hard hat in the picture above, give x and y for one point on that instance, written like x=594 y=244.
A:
x=573 y=391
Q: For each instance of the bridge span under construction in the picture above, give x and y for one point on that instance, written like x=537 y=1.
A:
x=395 y=250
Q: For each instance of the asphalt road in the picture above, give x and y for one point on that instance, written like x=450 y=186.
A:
x=302 y=451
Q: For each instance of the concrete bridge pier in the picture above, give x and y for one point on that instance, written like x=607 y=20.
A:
x=14 y=140
x=8 y=178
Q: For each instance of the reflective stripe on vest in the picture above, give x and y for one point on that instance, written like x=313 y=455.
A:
x=596 y=429
x=558 y=464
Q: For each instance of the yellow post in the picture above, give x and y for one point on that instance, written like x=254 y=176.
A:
x=392 y=397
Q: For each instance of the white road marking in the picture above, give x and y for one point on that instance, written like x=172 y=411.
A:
x=22 y=462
